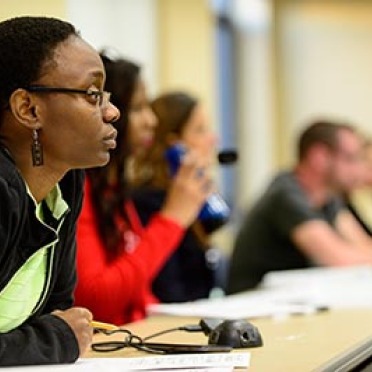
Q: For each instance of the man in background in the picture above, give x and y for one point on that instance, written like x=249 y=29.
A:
x=300 y=220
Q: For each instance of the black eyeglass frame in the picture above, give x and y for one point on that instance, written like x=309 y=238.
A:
x=89 y=92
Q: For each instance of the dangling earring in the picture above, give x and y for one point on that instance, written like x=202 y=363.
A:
x=36 y=150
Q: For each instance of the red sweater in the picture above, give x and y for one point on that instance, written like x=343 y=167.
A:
x=119 y=290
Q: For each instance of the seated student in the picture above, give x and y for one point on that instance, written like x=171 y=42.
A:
x=46 y=66
x=118 y=258
x=359 y=199
x=188 y=274
x=300 y=220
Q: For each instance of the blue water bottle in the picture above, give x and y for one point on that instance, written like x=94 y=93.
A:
x=215 y=212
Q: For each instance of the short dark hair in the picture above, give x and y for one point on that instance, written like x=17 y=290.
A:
x=322 y=131
x=26 y=46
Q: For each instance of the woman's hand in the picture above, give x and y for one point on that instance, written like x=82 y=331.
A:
x=188 y=191
x=78 y=318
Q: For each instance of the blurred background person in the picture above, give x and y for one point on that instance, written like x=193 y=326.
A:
x=359 y=198
x=196 y=267
x=118 y=258
x=300 y=220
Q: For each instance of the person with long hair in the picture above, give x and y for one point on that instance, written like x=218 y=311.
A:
x=118 y=257
x=194 y=268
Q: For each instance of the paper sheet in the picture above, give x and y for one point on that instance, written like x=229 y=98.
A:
x=213 y=362
x=284 y=293
x=248 y=305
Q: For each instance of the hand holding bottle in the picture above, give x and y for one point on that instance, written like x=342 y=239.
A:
x=215 y=212
x=190 y=187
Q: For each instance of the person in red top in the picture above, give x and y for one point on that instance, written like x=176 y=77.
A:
x=117 y=258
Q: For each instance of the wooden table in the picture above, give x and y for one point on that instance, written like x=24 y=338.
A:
x=317 y=342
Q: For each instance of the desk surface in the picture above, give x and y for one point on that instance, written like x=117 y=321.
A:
x=299 y=343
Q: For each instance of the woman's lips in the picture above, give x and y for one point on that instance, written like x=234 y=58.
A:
x=110 y=140
x=148 y=141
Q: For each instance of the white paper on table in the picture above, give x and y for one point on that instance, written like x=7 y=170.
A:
x=255 y=304
x=335 y=287
x=284 y=293
x=208 y=362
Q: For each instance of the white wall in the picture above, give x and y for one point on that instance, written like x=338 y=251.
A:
x=255 y=102
x=127 y=26
x=255 y=97
x=326 y=63
x=321 y=52
x=16 y=8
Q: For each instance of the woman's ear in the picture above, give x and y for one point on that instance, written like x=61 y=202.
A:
x=23 y=108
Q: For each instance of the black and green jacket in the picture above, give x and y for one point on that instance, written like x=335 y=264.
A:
x=43 y=338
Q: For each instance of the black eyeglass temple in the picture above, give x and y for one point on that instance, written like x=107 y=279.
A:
x=40 y=88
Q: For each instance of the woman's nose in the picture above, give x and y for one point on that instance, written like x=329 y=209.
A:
x=151 y=118
x=111 y=113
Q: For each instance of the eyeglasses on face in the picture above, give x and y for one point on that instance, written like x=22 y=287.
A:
x=100 y=97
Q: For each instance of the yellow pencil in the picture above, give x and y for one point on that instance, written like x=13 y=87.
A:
x=105 y=326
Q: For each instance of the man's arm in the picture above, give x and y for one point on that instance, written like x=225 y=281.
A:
x=345 y=245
